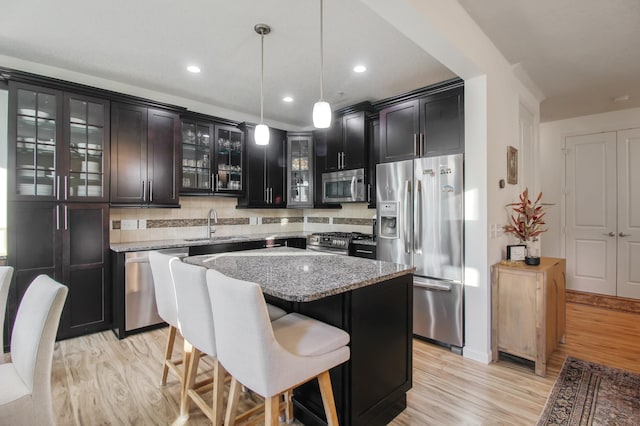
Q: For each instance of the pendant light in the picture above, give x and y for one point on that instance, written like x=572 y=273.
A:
x=261 y=133
x=321 y=109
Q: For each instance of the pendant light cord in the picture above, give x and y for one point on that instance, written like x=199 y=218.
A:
x=261 y=77
x=321 y=53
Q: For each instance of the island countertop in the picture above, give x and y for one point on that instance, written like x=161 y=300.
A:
x=299 y=275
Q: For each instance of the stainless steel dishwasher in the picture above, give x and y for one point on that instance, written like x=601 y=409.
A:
x=140 y=298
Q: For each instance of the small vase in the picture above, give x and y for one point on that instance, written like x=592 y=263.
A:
x=533 y=253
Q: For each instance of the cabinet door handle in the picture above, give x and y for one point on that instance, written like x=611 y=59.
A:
x=364 y=251
x=423 y=140
x=270 y=195
x=212 y=184
x=58 y=187
x=415 y=145
x=57 y=218
x=66 y=217
x=622 y=234
x=266 y=195
x=151 y=191
x=144 y=193
x=338 y=161
x=66 y=187
x=217 y=182
x=368 y=193
x=610 y=234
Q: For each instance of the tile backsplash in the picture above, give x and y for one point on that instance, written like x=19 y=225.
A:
x=190 y=220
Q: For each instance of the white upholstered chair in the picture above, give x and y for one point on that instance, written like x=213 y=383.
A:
x=166 y=303
x=196 y=321
x=25 y=382
x=271 y=358
x=6 y=272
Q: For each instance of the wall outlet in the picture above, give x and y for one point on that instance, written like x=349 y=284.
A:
x=128 y=224
x=253 y=220
x=142 y=223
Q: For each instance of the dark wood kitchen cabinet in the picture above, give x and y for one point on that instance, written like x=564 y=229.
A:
x=266 y=176
x=69 y=242
x=197 y=153
x=58 y=145
x=344 y=144
x=428 y=126
x=374 y=149
x=144 y=156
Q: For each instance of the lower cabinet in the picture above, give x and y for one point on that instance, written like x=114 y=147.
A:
x=528 y=310
x=69 y=242
x=366 y=251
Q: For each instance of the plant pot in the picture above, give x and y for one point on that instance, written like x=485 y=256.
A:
x=532 y=260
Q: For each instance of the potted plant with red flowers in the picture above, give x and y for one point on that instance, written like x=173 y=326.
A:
x=527 y=223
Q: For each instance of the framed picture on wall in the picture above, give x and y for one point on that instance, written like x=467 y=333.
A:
x=512 y=165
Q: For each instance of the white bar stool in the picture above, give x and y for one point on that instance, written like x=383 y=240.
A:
x=269 y=358
x=196 y=322
x=6 y=272
x=167 y=310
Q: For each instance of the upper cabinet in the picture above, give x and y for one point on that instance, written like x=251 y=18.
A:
x=343 y=146
x=197 y=147
x=144 y=155
x=267 y=165
x=58 y=145
x=213 y=157
x=374 y=149
x=300 y=170
x=228 y=161
x=429 y=126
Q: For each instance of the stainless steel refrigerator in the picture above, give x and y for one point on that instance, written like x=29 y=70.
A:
x=420 y=223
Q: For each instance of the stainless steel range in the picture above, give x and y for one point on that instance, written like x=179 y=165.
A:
x=333 y=242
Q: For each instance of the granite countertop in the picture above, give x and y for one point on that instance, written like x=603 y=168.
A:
x=190 y=242
x=300 y=275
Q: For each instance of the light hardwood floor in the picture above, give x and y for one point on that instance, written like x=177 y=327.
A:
x=99 y=380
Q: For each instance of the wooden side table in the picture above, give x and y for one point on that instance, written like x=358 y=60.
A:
x=528 y=309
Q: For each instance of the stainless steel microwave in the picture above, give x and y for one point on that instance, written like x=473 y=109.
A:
x=345 y=186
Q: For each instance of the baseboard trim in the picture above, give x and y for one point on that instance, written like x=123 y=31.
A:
x=604 y=301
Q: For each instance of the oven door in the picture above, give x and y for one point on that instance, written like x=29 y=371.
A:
x=343 y=187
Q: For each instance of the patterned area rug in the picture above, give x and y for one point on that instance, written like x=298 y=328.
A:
x=592 y=394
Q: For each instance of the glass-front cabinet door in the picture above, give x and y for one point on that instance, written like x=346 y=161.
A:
x=34 y=139
x=300 y=170
x=86 y=134
x=228 y=167
x=57 y=145
x=196 y=157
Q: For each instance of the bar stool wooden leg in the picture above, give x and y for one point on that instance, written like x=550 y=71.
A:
x=167 y=353
x=218 y=392
x=192 y=372
x=327 y=399
x=288 y=406
x=232 y=403
x=271 y=410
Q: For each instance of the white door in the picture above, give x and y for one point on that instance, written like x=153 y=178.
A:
x=628 y=232
x=591 y=231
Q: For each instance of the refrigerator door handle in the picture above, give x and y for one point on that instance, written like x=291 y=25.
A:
x=431 y=285
x=407 y=217
x=417 y=219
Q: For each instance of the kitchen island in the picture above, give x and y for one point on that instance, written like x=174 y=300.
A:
x=369 y=299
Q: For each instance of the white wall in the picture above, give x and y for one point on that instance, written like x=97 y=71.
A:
x=552 y=138
x=493 y=94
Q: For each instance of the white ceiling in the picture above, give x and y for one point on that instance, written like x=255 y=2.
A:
x=149 y=43
x=581 y=53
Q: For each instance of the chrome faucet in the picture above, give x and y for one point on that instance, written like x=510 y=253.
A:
x=215 y=218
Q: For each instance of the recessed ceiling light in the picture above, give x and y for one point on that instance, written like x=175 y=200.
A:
x=194 y=69
x=359 y=68
x=287 y=99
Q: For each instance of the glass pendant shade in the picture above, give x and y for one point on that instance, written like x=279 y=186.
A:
x=321 y=115
x=261 y=134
